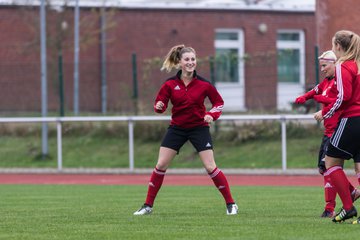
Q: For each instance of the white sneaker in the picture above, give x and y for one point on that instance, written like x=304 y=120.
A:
x=144 y=210
x=232 y=209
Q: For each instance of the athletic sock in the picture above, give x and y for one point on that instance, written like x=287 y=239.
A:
x=155 y=183
x=351 y=187
x=222 y=185
x=341 y=184
x=330 y=194
x=358 y=177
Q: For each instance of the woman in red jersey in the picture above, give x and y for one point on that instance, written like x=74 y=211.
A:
x=325 y=93
x=345 y=142
x=189 y=121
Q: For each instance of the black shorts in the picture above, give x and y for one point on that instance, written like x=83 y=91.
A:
x=199 y=137
x=324 y=145
x=345 y=142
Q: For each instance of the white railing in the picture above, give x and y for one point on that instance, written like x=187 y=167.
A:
x=131 y=119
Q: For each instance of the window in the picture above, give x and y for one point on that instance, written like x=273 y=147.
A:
x=290 y=56
x=228 y=56
x=227 y=65
x=288 y=36
x=227 y=36
x=229 y=68
x=290 y=66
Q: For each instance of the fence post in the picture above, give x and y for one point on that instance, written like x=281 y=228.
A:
x=59 y=144
x=61 y=82
x=212 y=70
x=131 y=145
x=213 y=82
x=44 y=98
x=135 y=84
x=283 y=143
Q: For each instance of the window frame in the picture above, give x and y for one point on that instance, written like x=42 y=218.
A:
x=298 y=45
x=232 y=44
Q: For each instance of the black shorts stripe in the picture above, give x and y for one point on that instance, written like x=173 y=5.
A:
x=345 y=142
x=335 y=140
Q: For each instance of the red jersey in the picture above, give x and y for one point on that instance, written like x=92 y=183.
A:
x=348 y=85
x=328 y=90
x=188 y=108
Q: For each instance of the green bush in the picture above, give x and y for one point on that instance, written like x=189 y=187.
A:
x=231 y=131
x=266 y=130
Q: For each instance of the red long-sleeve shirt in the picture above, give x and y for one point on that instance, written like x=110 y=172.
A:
x=188 y=108
x=348 y=85
x=327 y=89
x=326 y=93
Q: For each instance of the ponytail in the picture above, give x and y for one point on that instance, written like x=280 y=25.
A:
x=350 y=43
x=173 y=57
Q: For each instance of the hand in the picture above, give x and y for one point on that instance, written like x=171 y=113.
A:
x=208 y=118
x=318 y=116
x=159 y=105
x=300 y=100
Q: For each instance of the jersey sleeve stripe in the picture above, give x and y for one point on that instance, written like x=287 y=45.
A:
x=340 y=96
x=217 y=109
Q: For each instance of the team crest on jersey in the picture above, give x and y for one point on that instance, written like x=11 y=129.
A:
x=177 y=87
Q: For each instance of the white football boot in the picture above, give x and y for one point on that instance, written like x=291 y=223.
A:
x=232 y=209
x=144 y=210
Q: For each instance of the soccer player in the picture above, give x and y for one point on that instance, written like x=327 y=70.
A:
x=326 y=93
x=189 y=121
x=345 y=142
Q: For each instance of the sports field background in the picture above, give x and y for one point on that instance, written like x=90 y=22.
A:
x=68 y=206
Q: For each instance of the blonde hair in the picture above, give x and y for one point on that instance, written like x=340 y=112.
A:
x=350 y=43
x=173 y=57
x=328 y=56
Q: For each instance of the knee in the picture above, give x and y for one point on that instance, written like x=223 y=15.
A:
x=162 y=167
x=328 y=165
x=210 y=167
x=330 y=162
x=357 y=168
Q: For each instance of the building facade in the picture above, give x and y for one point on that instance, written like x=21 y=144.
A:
x=335 y=15
x=260 y=57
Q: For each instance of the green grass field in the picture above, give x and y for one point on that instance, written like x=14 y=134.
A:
x=181 y=212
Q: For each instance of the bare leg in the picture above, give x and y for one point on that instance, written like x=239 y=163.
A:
x=207 y=158
x=218 y=177
x=157 y=176
x=357 y=170
x=330 y=162
x=165 y=157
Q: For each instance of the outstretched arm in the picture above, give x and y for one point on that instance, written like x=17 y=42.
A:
x=323 y=99
x=303 y=98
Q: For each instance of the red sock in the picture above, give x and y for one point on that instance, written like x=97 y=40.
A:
x=358 y=177
x=351 y=187
x=222 y=184
x=155 y=183
x=341 y=184
x=330 y=194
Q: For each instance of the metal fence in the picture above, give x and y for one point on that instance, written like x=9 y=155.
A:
x=282 y=119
